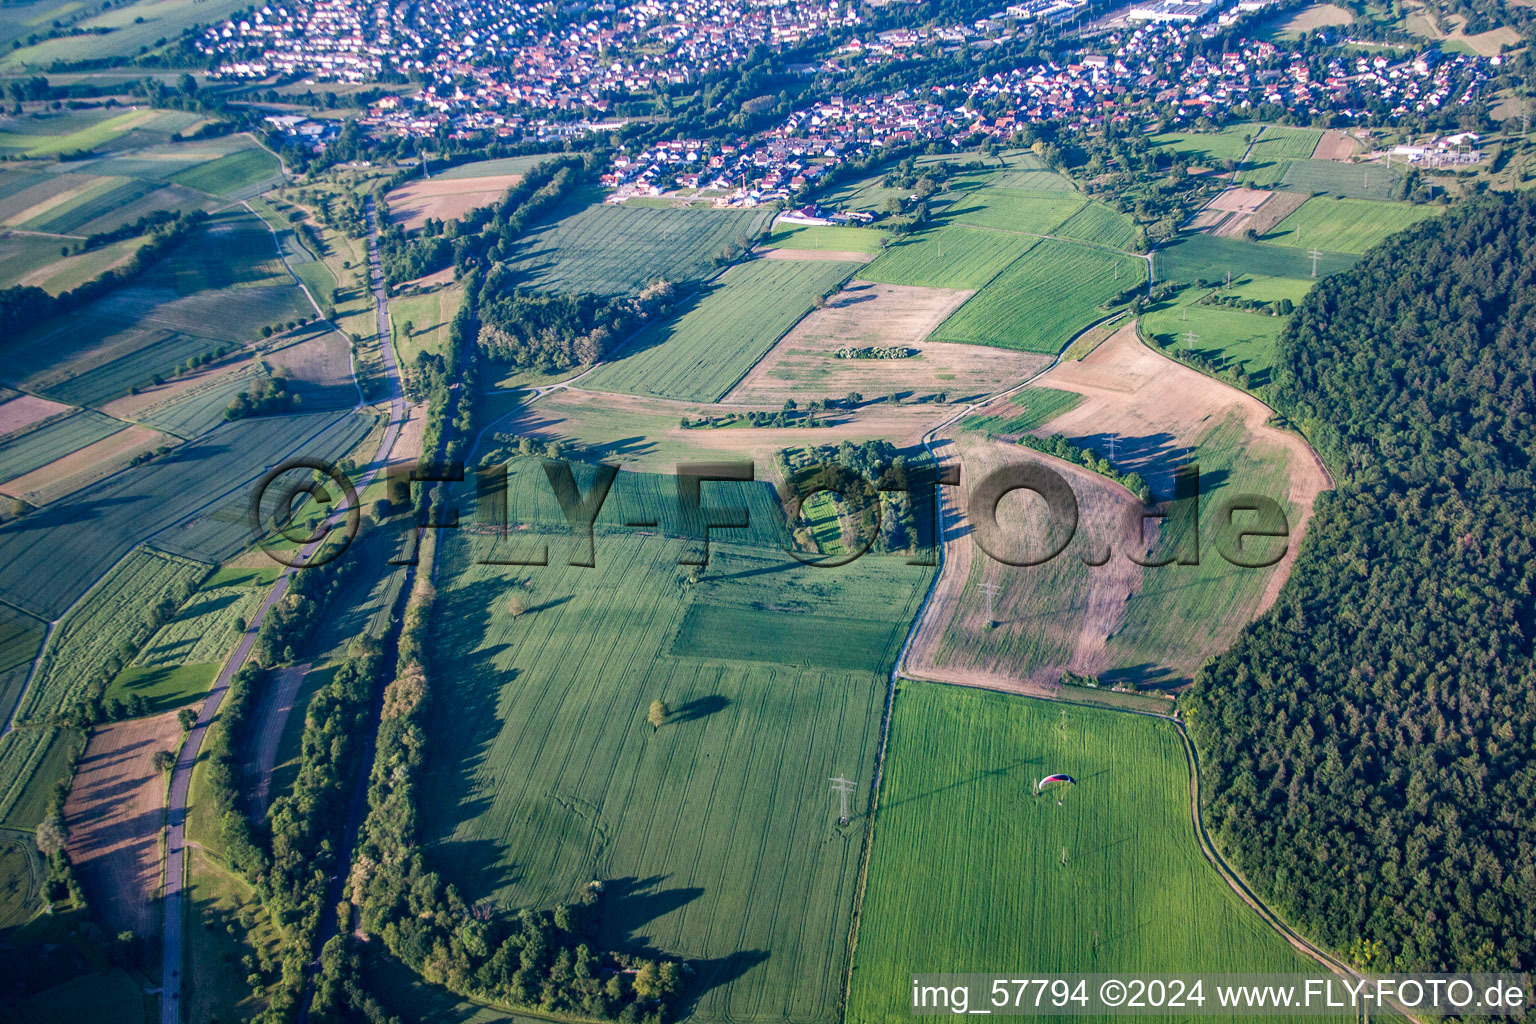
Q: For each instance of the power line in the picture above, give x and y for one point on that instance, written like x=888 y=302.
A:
x=1315 y=257
x=1190 y=337
x=991 y=590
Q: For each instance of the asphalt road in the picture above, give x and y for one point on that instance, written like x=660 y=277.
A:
x=181 y=775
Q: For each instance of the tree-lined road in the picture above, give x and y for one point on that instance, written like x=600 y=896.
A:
x=181 y=774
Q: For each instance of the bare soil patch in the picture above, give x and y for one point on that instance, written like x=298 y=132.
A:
x=830 y=255
x=407 y=447
x=1318 y=16
x=445 y=198
x=1280 y=206
x=26 y=411
x=1335 y=145
x=321 y=369
x=1237 y=210
x=81 y=468
x=114 y=813
x=1240 y=200
x=804 y=365
x=1051 y=617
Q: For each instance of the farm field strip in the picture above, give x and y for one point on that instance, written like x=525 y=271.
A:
x=1354 y=181
x=1040 y=301
x=952 y=256
x=611 y=249
x=1272 y=152
x=702 y=354
x=1196 y=257
x=1346 y=225
x=23 y=453
x=202 y=492
x=1097 y=223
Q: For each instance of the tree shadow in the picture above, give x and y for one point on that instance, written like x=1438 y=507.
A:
x=700 y=708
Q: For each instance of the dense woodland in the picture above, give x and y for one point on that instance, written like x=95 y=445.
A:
x=1369 y=747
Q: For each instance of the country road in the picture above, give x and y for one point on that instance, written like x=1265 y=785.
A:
x=181 y=776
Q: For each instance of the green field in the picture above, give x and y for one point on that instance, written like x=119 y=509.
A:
x=1024 y=170
x=35 y=260
x=22 y=453
x=1037 y=213
x=109 y=618
x=827 y=238
x=1197 y=257
x=1044 y=298
x=121 y=32
x=703 y=353
x=1036 y=406
x=237 y=175
x=21 y=637
x=490 y=168
x=1230 y=337
x=21 y=872
x=42 y=134
x=33 y=761
x=1345 y=225
x=611 y=249
x=1098 y=223
x=951 y=256
x=1207 y=149
x=1273 y=152
x=971 y=872
x=717 y=832
x=1355 y=181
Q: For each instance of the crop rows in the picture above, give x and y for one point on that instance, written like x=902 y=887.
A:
x=52 y=557
x=723 y=812
x=1043 y=299
x=611 y=249
x=952 y=256
x=1098 y=223
x=54 y=439
x=111 y=617
x=21 y=636
x=1370 y=181
x=1027 y=171
x=702 y=354
x=22 y=752
x=198 y=410
x=970 y=869
x=230 y=175
x=1346 y=225
x=1273 y=152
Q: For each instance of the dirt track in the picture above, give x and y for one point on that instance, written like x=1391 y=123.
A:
x=114 y=813
x=276 y=706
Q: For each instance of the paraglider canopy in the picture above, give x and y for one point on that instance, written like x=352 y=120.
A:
x=1069 y=780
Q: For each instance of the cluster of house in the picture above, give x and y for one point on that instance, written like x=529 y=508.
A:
x=494 y=54
x=1139 y=66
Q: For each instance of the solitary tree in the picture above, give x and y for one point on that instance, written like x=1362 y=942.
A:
x=516 y=607
x=163 y=760
x=187 y=717
x=51 y=836
x=658 y=714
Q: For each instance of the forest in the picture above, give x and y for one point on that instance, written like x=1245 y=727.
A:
x=1368 y=748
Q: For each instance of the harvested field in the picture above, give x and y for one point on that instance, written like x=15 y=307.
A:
x=803 y=365
x=320 y=371
x=1092 y=609
x=114 y=814
x=644 y=433
x=53 y=440
x=81 y=468
x=1335 y=146
x=412 y=205
x=26 y=410
x=1317 y=16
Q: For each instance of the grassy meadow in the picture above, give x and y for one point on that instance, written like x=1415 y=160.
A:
x=1345 y=225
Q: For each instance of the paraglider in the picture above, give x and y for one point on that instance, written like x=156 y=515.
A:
x=1054 y=780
